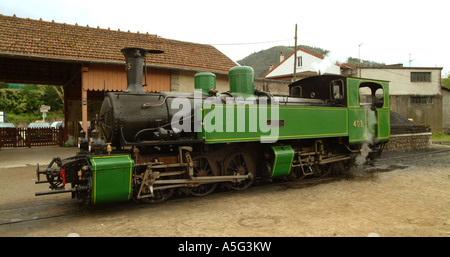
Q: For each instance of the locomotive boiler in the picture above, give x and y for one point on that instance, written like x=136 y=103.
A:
x=146 y=146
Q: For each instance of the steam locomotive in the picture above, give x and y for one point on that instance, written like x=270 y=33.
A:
x=145 y=146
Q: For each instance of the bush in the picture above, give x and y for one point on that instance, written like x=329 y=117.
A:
x=441 y=137
x=23 y=106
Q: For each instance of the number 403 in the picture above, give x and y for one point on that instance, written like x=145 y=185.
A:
x=358 y=124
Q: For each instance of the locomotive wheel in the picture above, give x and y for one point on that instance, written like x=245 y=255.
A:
x=323 y=170
x=205 y=167
x=240 y=163
x=342 y=167
x=160 y=196
x=296 y=174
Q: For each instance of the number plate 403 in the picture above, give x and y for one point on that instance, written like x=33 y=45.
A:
x=358 y=124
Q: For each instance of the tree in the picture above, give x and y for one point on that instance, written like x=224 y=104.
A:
x=52 y=98
x=32 y=98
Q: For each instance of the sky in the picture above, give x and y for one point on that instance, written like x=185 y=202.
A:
x=387 y=31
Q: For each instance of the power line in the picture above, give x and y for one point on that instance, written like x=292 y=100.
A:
x=251 y=43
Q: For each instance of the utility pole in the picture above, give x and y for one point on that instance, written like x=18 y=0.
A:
x=410 y=60
x=359 y=57
x=295 y=56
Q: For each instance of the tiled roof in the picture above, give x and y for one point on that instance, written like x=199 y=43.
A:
x=50 y=40
x=347 y=65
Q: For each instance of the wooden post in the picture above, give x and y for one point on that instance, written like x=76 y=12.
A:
x=84 y=88
x=28 y=137
x=61 y=136
x=66 y=118
x=294 y=75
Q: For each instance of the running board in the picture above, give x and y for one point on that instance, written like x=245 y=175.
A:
x=203 y=180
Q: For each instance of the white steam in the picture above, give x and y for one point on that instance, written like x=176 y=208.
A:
x=328 y=61
x=365 y=148
x=361 y=158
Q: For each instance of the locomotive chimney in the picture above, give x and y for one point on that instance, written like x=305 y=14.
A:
x=134 y=64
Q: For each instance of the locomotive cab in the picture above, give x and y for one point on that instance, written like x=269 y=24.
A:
x=331 y=89
x=367 y=102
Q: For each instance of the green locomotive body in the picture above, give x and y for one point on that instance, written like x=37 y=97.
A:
x=227 y=139
x=318 y=116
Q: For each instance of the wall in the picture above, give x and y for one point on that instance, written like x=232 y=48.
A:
x=408 y=142
x=275 y=87
x=114 y=78
x=446 y=111
x=422 y=114
x=183 y=81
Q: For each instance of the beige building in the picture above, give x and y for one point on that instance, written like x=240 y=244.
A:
x=414 y=92
x=183 y=81
x=446 y=110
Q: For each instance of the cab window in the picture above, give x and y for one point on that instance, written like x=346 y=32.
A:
x=337 y=89
x=371 y=95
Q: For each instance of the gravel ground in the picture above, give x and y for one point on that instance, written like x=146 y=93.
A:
x=401 y=194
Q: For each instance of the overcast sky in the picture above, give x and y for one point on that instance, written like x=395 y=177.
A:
x=389 y=30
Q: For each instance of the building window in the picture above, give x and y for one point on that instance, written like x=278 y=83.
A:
x=299 y=61
x=421 y=100
x=420 y=76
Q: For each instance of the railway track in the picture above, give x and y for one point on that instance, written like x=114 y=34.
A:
x=50 y=209
x=65 y=208
x=13 y=214
x=412 y=157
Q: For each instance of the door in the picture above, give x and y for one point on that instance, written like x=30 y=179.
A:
x=368 y=108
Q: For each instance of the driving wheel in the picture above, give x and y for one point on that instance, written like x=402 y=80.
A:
x=240 y=163
x=204 y=166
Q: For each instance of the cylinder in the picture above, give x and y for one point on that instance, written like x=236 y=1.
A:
x=205 y=81
x=241 y=80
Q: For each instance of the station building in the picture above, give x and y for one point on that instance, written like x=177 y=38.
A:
x=86 y=62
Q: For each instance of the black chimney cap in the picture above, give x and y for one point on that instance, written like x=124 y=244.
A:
x=142 y=50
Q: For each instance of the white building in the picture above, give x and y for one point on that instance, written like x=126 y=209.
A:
x=308 y=64
x=414 y=92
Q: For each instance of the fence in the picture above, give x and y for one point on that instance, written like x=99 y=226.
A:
x=28 y=137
